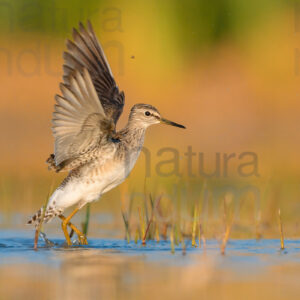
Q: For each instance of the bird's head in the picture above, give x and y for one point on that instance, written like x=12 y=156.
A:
x=145 y=115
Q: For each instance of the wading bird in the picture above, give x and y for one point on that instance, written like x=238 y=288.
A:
x=87 y=145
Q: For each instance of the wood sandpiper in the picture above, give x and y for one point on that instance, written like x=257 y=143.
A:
x=87 y=145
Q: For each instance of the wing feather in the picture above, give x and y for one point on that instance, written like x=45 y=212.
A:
x=85 y=52
x=79 y=120
x=90 y=103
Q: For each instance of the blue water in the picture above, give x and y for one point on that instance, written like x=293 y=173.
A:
x=114 y=269
x=17 y=246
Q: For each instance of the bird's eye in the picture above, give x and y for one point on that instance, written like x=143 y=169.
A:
x=147 y=113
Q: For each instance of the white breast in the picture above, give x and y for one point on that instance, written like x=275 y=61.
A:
x=93 y=182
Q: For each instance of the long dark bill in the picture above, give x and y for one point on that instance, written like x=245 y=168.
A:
x=165 y=121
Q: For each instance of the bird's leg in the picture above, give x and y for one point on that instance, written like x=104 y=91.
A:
x=66 y=222
x=81 y=236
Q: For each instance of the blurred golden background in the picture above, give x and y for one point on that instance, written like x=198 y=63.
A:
x=228 y=70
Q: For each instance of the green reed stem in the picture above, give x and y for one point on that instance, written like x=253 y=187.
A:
x=85 y=224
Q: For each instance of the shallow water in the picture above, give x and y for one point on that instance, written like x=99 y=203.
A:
x=114 y=269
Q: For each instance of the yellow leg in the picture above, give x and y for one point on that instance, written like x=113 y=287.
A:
x=66 y=222
x=81 y=237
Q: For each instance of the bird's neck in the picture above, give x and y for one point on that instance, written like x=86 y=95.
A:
x=133 y=134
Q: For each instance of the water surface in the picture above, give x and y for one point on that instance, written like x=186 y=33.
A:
x=114 y=269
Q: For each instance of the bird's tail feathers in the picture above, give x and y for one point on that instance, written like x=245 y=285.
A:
x=40 y=216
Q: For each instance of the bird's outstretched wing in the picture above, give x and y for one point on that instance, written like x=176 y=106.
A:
x=79 y=122
x=90 y=105
x=86 y=52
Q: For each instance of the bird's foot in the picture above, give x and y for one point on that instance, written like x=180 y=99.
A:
x=82 y=239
